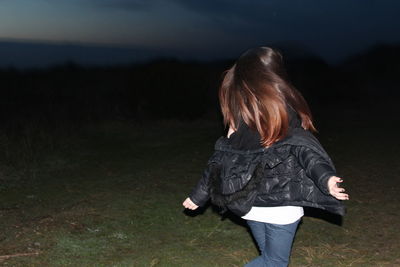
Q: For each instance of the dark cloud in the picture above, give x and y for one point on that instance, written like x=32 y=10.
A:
x=322 y=22
x=124 y=4
x=255 y=11
x=262 y=12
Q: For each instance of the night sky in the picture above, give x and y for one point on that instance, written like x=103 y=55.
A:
x=112 y=31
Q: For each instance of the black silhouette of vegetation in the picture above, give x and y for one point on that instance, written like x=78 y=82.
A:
x=169 y=88
x=72 y=93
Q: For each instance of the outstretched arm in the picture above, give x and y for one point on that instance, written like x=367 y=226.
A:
x=200 y=193
x=321 y=172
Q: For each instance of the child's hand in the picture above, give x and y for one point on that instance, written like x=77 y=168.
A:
x=189 y=204
x=335 y=190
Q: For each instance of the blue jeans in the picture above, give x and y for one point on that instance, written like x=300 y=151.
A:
x=274 y=241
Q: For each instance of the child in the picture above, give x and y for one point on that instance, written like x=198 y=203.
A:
x=270 y=165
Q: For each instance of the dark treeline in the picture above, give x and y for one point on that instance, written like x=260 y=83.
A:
x=184 y=90
x=69 y=92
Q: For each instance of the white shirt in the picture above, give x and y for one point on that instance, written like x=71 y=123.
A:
x=275 y=215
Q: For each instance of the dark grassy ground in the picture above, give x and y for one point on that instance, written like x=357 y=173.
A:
x=111 y=194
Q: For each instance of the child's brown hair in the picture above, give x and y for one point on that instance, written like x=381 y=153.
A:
x=256 y=89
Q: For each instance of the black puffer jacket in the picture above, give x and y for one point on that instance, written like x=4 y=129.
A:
x=241 y=173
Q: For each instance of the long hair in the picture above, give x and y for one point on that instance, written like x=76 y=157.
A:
x=256 y=90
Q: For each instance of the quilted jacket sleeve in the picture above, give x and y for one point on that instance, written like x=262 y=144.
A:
x=317 y=167
x=201 y=192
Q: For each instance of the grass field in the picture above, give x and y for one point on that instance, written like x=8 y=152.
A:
x=111 y=194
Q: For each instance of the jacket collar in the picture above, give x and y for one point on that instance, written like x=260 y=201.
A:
x=247 y=139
